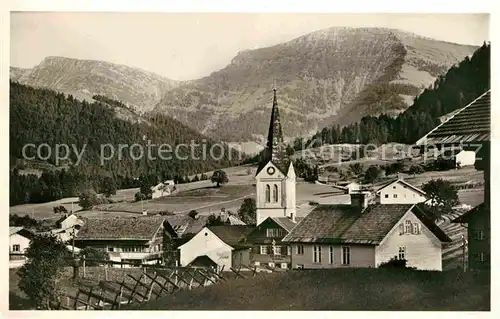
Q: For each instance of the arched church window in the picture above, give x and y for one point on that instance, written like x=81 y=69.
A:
x=275 y=193
x=268 y=193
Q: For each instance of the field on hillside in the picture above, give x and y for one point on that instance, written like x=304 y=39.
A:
x=205 y=199
x=339 y=289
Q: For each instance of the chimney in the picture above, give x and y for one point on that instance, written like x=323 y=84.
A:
x=292 y=217
x=359 y=200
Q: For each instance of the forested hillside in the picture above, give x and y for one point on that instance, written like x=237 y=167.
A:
x=42 y=116
x=458 y=87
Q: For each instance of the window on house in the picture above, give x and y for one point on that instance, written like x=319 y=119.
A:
x=346 y=255
x=402 y=253
x=263 y=250
x=284 y=251
x=408 y=227
x=300 y=250
x=393 y=187
x=481 y=257
x=277 y=250
x=331 y=254
x=275 y=193
x=386 y=195
x=478 y=234
x=111 y=249
x=16 y=248
x=416 y=228
x=395 y=195
x=274 y=232
x=317 y=254
x=268 y=193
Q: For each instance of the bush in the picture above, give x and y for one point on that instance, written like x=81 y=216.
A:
x=394 y=262
x=41 y=275
x=94 y=253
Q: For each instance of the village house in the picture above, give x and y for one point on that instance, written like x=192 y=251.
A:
x=228 y=217
x=223 y=246
x=478 y=246
x=163 y=189
x=135 y=240
x=275 y=175
x=355 y=235
x=400 y=192
x=470 y=127
x=19 y=241
x=66 y=227
x=459 y=157
x=265 y=239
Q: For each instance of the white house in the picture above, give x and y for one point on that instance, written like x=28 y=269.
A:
x=365 y=236
x=162 y=189
x=224 y=245
x=400 y=192
x=19 y=240
x=465 y=158
x=353 y=187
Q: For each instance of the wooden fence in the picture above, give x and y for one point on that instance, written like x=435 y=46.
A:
x=154 y=282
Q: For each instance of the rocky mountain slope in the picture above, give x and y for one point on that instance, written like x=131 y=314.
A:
x=141 y=90
x=330 y=76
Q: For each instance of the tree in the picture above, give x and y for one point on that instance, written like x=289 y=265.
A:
x=93 y=254
x=88 y=199
x=219 y=177
x=442 y=195
x=108 y=187
x=248 y=211
x=193 y=213
x=214 y=221
x=371 y=174
x=40 y=276
x=415 y=169
x=356 y=168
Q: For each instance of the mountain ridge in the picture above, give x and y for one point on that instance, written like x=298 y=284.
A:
x=137 y=88
x=331 y=76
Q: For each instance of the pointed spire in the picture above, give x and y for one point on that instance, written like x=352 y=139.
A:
x=275 y=147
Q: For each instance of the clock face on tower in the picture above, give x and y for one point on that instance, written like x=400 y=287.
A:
x=270 y=170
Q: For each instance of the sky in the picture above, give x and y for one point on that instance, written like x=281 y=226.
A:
x=186 y=46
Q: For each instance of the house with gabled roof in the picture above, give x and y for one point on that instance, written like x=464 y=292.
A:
x=360 y=235
x=400 y=192
x=19 y=241
x=126 y=239
x=224 y=245
x=470 y=128
x=275 y=176
x=265 y=240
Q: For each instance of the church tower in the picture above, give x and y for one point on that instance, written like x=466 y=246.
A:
x=275 y=177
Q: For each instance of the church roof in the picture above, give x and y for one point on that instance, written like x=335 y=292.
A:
x=275 y=150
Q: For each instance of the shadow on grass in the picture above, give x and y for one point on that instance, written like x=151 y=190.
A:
x=18 y=303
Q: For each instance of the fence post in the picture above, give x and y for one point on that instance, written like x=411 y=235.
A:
x=83 y=266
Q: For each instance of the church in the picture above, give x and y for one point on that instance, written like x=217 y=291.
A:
x=275 y=176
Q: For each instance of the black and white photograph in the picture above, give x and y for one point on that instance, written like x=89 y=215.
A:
x=248 y=161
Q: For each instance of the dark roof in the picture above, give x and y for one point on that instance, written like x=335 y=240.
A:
x=343 y=224
x=286 y=223
x=470 y=124
x=233 y=235
x=124 y=228
x=275 y=150
x=183 y=224
x=471 y=213
x=202 y=261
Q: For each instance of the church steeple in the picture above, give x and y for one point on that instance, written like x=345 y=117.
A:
x=275 y=147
